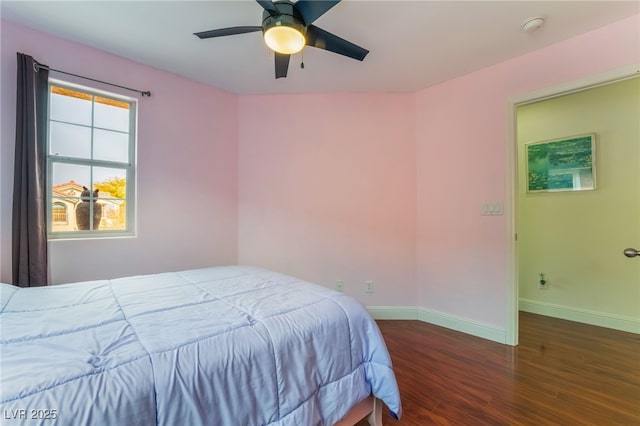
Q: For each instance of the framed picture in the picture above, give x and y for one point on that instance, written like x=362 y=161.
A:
x=566 y=164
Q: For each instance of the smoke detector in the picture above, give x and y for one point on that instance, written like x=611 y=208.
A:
x=532 y=24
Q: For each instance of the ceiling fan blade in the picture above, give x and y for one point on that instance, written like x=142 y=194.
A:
x=227 y=31
x=282 y=64
x=310 y=10
x=268 y=6
x=317 y=37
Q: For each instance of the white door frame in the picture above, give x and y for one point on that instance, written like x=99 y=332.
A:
x=511 y=332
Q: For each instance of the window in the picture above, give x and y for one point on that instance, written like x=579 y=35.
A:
x=59 y=213
x=90 y=163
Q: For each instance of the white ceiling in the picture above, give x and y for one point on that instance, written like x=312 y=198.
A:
x=413 y=44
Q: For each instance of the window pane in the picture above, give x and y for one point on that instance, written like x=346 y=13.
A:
x=110 y=146
x=112 y=184
x=70 y=106
x=69 y=140
x=62 y=174
x=111 y=114
x=66 y=193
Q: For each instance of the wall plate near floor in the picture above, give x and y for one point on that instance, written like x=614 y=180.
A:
x=369 y=286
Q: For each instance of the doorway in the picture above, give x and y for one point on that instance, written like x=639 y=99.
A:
x=568 y=259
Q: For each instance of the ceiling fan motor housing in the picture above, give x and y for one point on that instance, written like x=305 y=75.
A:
x=288 y=17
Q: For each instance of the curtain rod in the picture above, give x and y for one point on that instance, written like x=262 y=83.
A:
x=37 y=67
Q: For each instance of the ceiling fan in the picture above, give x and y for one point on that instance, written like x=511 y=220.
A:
x=287 y=28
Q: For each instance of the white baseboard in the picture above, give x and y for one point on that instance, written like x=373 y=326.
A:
x=464 y=325
x=601 y=319
x=393 y=312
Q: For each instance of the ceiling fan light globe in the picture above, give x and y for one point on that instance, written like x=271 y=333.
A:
x=284 y=39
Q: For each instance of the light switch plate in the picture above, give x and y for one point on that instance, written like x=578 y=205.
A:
x=492 y=209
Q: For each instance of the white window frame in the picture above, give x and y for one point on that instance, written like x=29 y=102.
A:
x=129 y=167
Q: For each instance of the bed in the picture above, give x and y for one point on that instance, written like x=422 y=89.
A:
x=231 y=345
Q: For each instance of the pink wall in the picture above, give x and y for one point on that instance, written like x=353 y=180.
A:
x=461 y=135
x=327 y=190
x=187 y=166
x=383 y=187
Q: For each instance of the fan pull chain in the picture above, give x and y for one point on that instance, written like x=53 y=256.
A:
x=302 y=61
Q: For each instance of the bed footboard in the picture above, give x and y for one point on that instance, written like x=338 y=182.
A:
x=371 y=408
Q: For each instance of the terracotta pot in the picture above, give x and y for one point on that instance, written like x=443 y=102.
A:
x=83 y=210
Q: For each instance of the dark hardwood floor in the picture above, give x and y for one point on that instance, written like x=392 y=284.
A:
x=562 y=373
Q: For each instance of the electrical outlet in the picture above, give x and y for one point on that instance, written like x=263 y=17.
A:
x=542 y=282
x=369 y=287
x=339 y=285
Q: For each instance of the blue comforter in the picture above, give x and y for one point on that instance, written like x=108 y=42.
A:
x=218 y=346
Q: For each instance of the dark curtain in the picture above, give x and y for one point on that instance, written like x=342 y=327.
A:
x=29 y=221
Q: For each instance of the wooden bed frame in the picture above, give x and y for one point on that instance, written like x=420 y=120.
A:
x=371 y=408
